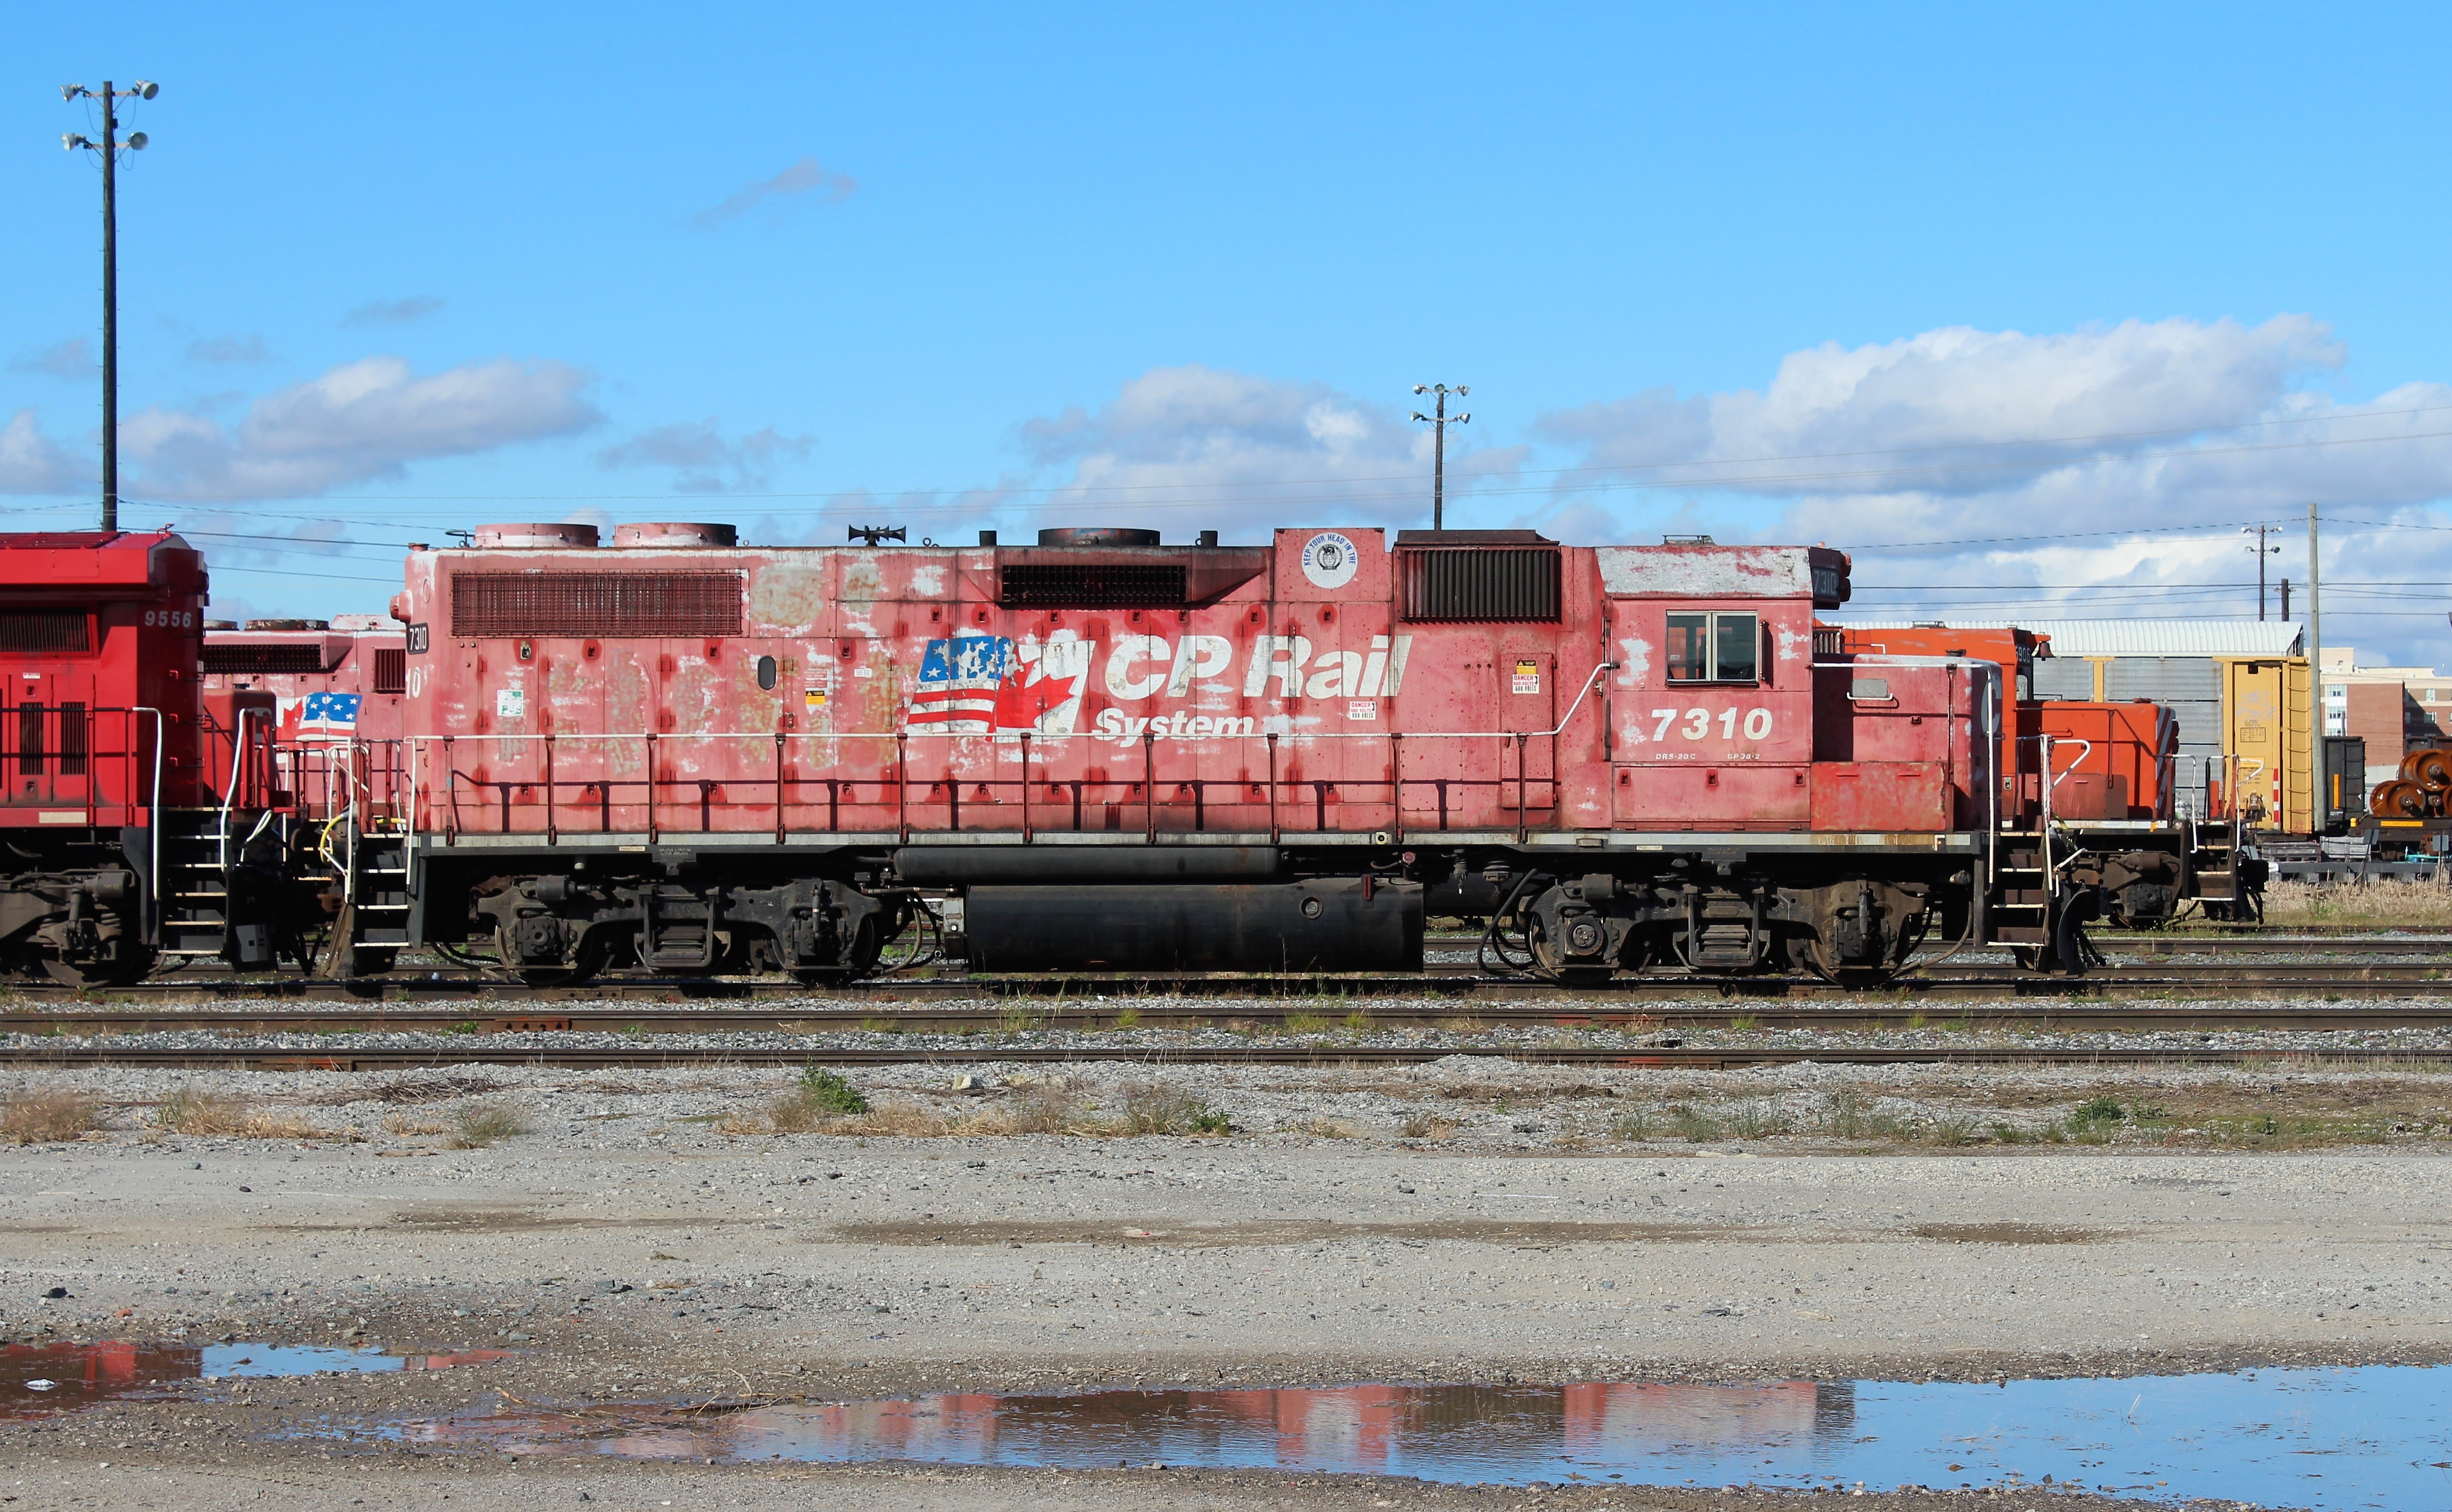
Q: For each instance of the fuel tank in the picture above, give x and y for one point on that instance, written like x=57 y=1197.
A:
x=1343 y=924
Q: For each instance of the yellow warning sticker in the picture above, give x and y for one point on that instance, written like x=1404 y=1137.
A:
x=1527 y=676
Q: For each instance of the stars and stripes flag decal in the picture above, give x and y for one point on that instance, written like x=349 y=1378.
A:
x=958 y=679
x=324 y=716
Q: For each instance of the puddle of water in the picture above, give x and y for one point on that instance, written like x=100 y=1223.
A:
x=2376 y=1437
x=46 y=1378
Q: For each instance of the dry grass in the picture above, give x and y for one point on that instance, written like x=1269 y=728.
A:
x=1326 y=1128
x=817 y=1101
x=1427 y=1125
x=35 y=1118
x=189 y=1111
x=427 y=1087
x=1048 y=1105
x=483 y=1121
x=2374 y=904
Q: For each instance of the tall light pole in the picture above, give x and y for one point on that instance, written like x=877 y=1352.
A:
x=2316 y=731
x=2263 y=551
x=1439 y=421
x=109 y=149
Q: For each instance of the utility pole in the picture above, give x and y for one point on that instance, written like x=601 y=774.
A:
x=2263 y=551
x=2316 y=795
x=1439 y=421
x=107 y=148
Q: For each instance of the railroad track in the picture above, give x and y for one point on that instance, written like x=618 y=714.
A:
x=2343 y=976
x=1002 y=1025
x=73 y=1052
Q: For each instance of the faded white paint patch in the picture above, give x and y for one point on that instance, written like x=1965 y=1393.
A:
x=1633 y=661
x=1791 y=644
x=1705 y=571
x=787 y=599
x=928 y=580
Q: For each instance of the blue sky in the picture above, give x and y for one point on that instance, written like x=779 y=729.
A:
x=1899 y=275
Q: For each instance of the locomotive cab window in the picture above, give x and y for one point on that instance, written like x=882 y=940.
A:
x=1714 y=648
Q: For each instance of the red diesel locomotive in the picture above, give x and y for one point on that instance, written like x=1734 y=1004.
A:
x=125 y=840
x=1100 y=751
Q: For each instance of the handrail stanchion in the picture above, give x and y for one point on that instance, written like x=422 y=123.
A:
x=1274 y=830
x=901 y=784
x=1396 y=785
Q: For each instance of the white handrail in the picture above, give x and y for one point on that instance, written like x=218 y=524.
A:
x=2081 y=757
x=1036 y=736
x=153 y=816
x=230 y=795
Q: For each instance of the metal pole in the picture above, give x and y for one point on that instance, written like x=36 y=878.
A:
x=1440 y=419
x=2315 y=680
x=2260 y=575
x=110 y=312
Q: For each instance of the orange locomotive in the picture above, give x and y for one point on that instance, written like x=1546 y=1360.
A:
x=2101 y=775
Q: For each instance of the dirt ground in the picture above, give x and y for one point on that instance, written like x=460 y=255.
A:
x=628 y=1249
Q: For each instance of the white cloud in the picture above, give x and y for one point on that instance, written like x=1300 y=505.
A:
x=1192 y=446
x=72 y=357
x=364 y=420
x=1984 y=443
x=704 y=459
x=804 y=179
x=31 y=463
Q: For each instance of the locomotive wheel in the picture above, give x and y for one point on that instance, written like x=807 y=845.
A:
x=120 y=973
x=590 y=960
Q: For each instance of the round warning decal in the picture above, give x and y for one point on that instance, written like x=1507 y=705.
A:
x=1329 y=559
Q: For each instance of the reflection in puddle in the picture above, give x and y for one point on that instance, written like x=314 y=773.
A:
x=36 y=1379
x=2367 y=1437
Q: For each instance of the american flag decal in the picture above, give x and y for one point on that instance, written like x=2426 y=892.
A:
x=958 y=679
x=328 y=717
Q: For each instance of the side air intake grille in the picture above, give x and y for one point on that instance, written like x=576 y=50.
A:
x=257 y=659
x=391 y=669
x=1471 y=583
x=605 y=605
x=1091 y=585
x=41 y=632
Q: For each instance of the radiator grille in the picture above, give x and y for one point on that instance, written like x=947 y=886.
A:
x=72 y=739
x=1091 y=585
x=256 y=659
x=391 y=669
x=603 y=605
x=36 y=631
x=1455 y=585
